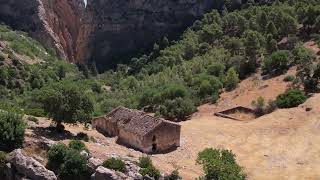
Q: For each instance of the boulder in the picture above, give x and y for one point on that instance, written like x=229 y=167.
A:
x=26 y=168
x=85 y=154
x=93 y=164
x=103 y=173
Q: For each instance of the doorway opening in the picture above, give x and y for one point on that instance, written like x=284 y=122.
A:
x=154 y=144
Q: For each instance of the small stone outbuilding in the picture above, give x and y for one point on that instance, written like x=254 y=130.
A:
x=139 y=130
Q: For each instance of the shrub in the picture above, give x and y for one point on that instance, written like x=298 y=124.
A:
x=115 y=164
x=278 y=62
x=2 y=57
x=220 y=164
x=144 y=162
x=77 y=145
x=83 y=136
x=232 y=79
x=150 y=171
x=33 y=119
x=74 y=166
x=177 y=109
x=56 y=156
x=259 y=105
x=147 y=168
x=216 y=69
x=12 y=130
x=173 y=176
x=3 y=157
x=302 y=55
x=291 y=98
x=289 y=78
x=68 y=163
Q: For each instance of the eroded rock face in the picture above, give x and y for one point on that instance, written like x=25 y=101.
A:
x=21 y=166
x=106 y=29
x=122 y=27
x=55 y=23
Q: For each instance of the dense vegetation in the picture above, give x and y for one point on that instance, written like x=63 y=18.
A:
x=211 y=56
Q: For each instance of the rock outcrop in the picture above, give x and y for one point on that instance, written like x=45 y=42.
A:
x=55 y=23
x=104 y=30
x=20 y=166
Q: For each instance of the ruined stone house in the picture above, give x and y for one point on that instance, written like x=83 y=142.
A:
x=139 y=130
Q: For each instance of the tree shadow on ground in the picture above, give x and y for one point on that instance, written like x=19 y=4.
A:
x=52 y=134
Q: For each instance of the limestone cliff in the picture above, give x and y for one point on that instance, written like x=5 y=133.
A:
x=105 y=31
x=55 y=23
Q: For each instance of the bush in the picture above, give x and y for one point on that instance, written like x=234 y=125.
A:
x=277 y=63
x=77 y=145
x=232 y=79
x=33 y=119
x=220 y=164
x=259 y=105
x=173 y=176
x=74 y=166
x=144 y=162
x=147 y=167
x=83 y=136
x=289 y=78
x=115 y=164
x=56 y=156
x=12 y=130
x=3 y=157
x=150 y=171
x=177 y=109
x=291 y=98
x=216 y=69
x=67 y=162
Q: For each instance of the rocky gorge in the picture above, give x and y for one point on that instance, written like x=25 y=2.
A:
x=103 y=31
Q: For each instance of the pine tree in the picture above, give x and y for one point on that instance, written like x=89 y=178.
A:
x=94 y=69
x=271 y=29
x=262 y=21
x=61 y=72
x=232 y=79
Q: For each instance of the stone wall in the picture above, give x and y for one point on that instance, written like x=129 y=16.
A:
x=105 y=126
x=130 y=139
x=167 y=137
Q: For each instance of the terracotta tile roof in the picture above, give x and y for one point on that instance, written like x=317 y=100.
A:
x=135 y=121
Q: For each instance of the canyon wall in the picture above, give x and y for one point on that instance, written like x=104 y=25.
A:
x=106 y=31
x=55 y=23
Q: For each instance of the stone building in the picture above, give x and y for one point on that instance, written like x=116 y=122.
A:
x=139 y=130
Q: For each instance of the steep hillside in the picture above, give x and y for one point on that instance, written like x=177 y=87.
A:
x=104 y=30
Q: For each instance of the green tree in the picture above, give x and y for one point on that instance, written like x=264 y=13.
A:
x=67 y=104
x=271 y=44
x=232 y=79
x=220 y=164
x=271 y=29
x=262 y=21
x=61 y=72
x=12 y=129
x=94 y=69
x=278 y=62
x=74 y=167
